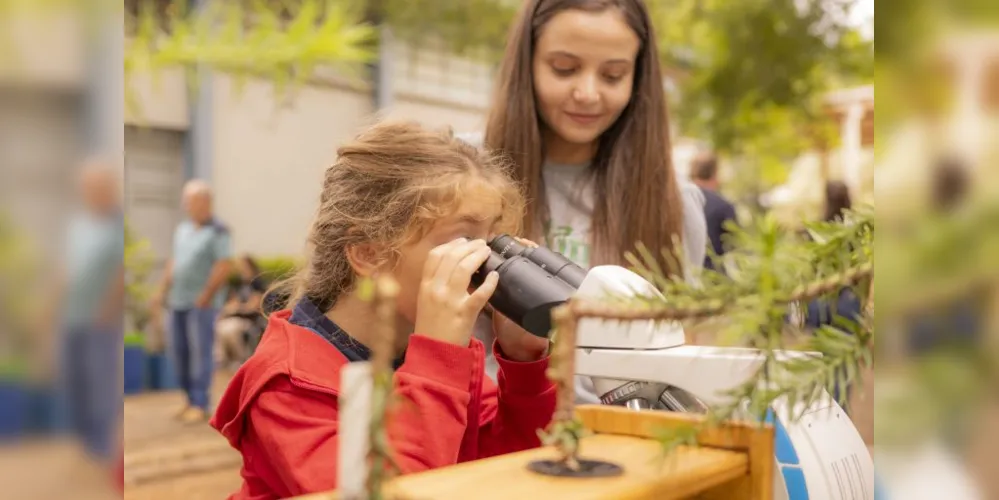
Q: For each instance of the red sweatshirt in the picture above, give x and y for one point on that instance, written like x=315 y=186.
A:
x=280 y=409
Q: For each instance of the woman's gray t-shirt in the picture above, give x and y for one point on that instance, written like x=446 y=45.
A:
x=570 y=200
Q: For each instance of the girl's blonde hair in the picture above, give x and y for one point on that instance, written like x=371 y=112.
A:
x=388 y=187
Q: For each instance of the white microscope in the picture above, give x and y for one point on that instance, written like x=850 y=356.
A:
x=646 y=366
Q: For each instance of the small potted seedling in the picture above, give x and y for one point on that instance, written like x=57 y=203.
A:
x=566 y=431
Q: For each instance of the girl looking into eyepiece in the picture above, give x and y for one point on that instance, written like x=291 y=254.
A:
x=419 y=206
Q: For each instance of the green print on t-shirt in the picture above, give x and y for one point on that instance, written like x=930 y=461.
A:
x=575 y=249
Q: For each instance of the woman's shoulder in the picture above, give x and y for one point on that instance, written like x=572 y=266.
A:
x=695 y=228
x=692 y=195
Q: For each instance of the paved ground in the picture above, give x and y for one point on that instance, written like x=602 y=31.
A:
x=165 y=459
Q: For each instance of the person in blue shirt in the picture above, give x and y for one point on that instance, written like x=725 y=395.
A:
x=718 y=211
x=90 y=297
x=193 y=289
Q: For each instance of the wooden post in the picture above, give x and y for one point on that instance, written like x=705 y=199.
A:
x=354 y=418
x=562 y=371
x=383 y=304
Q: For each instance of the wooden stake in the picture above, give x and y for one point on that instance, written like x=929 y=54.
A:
x=383 y=304
x=562 y=372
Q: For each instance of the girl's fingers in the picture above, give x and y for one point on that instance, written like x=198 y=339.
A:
x=451 y=259
x=526 y=242
x=480 y=297
x=461 y=276
x=436 y=256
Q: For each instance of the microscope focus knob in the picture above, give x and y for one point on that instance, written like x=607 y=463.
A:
x=635 y=395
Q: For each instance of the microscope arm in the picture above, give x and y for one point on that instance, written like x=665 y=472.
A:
x=705 y=372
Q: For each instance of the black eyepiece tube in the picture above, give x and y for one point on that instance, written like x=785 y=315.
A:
x=555 y=263
x=526 y=293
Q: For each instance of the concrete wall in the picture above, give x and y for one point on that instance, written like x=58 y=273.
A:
x=266 y=152
x=55 y=60
x=269 y=151
x=269 y=155
x=158 y=101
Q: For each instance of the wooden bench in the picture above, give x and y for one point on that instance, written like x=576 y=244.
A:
x=733 y=462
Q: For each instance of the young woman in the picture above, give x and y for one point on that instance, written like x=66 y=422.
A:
x=418 y=206
x=581 y=111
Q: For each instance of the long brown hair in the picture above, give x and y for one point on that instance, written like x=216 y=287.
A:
x=389 y=186
x=633 y=158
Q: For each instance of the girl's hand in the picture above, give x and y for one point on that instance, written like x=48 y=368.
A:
x=445 y=310
x=518 y=344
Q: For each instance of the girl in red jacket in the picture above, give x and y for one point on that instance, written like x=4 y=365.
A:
x=420 y=206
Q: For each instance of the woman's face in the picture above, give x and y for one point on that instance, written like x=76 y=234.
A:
x=584 y=66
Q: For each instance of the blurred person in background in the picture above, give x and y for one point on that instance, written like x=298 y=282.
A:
x=91 y=299
x=838 y=201
x=193 y=290
x=241 y=321
x=957 y=323
x=822 y=311
x=718 y=211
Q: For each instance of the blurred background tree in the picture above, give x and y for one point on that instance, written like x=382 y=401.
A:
x=139 y=260
x=733 y=59
x=754 y=73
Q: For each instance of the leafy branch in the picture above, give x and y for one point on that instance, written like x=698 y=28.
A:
x=248 y=38
x=770 y=270
x=18 y=271
x=139 y=260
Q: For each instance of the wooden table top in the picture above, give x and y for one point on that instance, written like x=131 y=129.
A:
x=689 y=471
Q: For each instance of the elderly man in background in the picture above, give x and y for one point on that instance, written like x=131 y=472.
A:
x=193 y=288
x=91 y=304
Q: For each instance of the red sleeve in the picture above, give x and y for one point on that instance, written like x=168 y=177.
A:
x=513 y=412
x=296 y=424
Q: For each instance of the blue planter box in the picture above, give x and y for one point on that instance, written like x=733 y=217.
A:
x=135 y=369
x=13 y=409
x=161 y=373
x=48 y=410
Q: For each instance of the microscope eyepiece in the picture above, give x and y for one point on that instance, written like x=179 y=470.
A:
x=527 y=290
x=554 y=263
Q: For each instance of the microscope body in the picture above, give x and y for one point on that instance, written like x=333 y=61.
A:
x=644 y=365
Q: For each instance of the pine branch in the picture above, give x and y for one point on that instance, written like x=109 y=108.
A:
x=796 y=382
x=649 y=310
x=770 y=269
